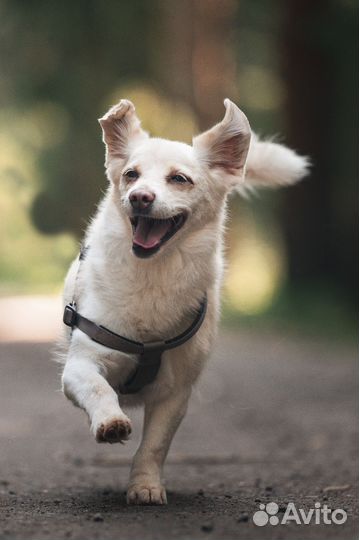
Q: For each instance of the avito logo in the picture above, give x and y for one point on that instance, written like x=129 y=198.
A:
x=267 y=513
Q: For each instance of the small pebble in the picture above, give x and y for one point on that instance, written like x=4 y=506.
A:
x=207 y=527
x=97 y=517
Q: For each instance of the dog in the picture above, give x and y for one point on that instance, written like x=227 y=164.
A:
x=154 y=257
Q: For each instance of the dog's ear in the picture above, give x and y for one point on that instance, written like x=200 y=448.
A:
x=121 y=129
x=225 y=146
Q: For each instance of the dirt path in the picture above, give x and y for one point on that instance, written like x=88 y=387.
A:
x=272 y=421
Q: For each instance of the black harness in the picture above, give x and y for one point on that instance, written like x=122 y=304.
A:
x=149 y=353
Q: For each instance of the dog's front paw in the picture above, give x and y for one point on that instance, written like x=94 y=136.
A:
x=113 y=431
x=146 y=494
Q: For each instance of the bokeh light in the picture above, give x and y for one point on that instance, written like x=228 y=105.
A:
x=256 y=268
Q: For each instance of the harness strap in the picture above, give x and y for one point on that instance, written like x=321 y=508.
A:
x=150 y=353
x=144 y=373
x=100 y=334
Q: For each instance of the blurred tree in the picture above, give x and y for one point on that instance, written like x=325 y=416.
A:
x=195 y=58
x=71 y=54
x=319 y=215
x=67 y=59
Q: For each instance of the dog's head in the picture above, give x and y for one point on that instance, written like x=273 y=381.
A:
x=167 y=189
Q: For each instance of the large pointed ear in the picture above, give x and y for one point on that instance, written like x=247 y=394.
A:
x=225 y=146
x=121 y=129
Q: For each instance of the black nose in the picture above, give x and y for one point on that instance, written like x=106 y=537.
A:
x=140 y=199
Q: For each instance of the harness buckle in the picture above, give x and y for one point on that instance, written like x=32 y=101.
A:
x=70 y=315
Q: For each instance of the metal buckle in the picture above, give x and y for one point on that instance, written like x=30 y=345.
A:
x=69 y=317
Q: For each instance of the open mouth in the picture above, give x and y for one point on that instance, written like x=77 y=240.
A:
x=149 y=234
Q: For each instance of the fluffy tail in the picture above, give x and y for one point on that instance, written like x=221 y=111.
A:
x=273 y=165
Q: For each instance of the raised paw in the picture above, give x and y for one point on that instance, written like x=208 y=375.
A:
x=113 y=431
x=146 y=494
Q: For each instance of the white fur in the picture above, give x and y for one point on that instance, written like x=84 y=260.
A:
x=270 y=164
x=149 y=299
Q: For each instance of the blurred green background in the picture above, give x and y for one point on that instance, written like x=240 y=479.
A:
x=290 y=65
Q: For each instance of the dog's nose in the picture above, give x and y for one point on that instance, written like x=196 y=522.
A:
x=140 y=199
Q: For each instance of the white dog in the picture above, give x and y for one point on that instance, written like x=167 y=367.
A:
x=154 y=259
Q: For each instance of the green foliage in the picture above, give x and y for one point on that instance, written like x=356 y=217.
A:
x=64 y=63
x=71 y=54
x=316 y=311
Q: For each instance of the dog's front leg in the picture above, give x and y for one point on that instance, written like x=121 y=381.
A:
x=161 y=421
x=83 y=383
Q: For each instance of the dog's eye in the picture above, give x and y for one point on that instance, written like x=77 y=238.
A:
x=131 y=174
x=181 y=179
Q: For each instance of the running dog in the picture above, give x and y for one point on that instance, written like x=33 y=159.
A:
x=142 y=299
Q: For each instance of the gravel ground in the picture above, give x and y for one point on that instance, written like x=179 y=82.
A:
x=273 y=420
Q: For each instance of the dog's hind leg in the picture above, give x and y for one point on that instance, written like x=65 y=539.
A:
x=84 y=385
x=161 y=421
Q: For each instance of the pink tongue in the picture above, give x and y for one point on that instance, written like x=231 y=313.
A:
x=149 y=233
